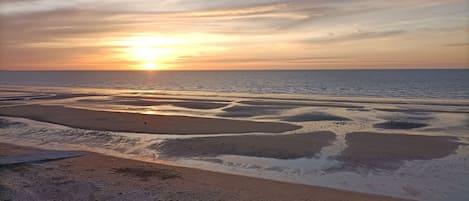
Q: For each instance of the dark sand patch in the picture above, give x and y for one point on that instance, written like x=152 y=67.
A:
x=141 y=123
x=399 y=125
x=279 y=146
x=419 y=111
x=359 y=109
x=6 y=193
x=47 y=97
x=184 y=104
x=389 y=151
x=319 y=104
x=413 y=117
x=315 y=116
x=251 y=111
x=93 y=100
x=145 y=174
x=63 y=96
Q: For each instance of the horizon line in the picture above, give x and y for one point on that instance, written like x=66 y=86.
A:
x=331 y=69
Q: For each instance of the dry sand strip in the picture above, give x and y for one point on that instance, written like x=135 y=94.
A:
x=99 y=177
x=389 y=151
x=184 y=104
x=141 y=123
x=279 y=146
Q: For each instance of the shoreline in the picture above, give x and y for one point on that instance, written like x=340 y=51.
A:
x=230 y=95
x=86 y=171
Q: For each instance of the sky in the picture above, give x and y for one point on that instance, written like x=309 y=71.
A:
x=233 y=35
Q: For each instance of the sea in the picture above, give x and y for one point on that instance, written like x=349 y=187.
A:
x=442 y=84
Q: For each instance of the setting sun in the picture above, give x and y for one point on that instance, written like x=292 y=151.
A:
x=146 y=52
x=150 y=66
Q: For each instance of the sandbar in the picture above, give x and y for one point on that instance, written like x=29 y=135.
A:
x=389 y=151
x=289 y=146
x=141 y=123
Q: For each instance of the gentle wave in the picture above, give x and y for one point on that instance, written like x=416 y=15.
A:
x=448 y=84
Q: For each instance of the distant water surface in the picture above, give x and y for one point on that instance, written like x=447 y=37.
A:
x=452 y=84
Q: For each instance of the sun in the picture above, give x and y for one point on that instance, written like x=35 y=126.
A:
x=150 y=66
x=148 y=53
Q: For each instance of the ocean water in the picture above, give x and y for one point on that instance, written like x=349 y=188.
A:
x=447 y=84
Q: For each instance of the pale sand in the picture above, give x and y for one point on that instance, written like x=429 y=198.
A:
x=278 y=146
x=185 y=104
x=141 y=123
x=98 y=177
x=389 y=151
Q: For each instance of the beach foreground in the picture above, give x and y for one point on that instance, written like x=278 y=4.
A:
x=174 y=145
x=98 y=177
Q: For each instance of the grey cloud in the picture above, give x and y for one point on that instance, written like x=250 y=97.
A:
x=464 y=44
x=189 y=59
x=353 y=37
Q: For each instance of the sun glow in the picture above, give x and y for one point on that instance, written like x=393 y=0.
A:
x=153 y=51
x=150 y=66
x=149 y=53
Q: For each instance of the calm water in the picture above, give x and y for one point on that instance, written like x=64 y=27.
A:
x=382 y=83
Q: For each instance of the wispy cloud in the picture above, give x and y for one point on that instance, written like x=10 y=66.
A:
x=356 y=36
x=226 y=31
x=457 y=44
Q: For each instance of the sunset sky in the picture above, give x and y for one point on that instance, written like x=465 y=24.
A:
x=228 y=34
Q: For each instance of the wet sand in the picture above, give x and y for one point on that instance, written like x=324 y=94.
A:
x=163 y=96
x=138 y=102
x=252 y=111
x=399 y=125
x=315 y=116
x=99 y=177
x=141 y=123
x=318 y=104
x=389 y=151
x=184 y=104
x=348 y=162
x=279 y=146
x=413 y=111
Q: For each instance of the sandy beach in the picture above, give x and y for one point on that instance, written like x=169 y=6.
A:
x=97 y=177
x=142 y=145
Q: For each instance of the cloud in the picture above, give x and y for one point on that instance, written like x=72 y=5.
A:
x=457 y=44
x=249 y=29
x=360 y=35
